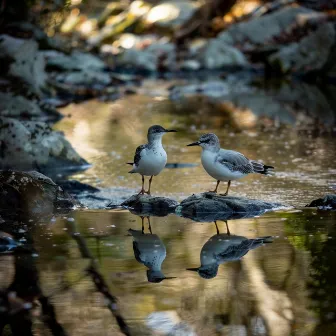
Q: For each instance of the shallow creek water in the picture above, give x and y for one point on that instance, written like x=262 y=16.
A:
x=286 y=287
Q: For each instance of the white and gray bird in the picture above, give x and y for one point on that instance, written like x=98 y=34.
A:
x=226 y=165
x=151 y=158
x=150 y=251
x=222 y=248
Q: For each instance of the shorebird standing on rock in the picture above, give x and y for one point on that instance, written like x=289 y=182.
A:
x=151 y=158
x=226 y=165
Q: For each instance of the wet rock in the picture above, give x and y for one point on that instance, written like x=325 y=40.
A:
x=310 y=54
x=30 y=195
x=208 y=207
x=152 y=58
x=77 y=61
x=27 y=144
x=149 y=205
x=171 y=14
x=87 y=78
x=17 y=106
x=24 y=62
x=217 y=54
x=261 y=30
x=328 y=202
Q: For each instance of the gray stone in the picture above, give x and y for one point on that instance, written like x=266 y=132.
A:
x=311 y=53
x=208 y=207
x=77 y=61
x=26 y=63
x=328 y=202
x=26 y=144
x=147 y=205
x=171 y=14
x=18 y=106
x=25 y=195
x=218 y=54
x=150 y=58
x=86 y=78
x=261 y=30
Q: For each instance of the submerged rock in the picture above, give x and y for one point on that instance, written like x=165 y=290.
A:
x=208 y=207
x=27 y=144
x=31 y=194
x=328 y=202
x=149 y=205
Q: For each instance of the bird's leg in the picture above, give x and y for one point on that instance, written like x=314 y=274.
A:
x=227 y=229
x=149 y=225
x=142 y=191
x=215 y=191
x=142 y=224
x=227 y=190
x=216 y=227
x=149 y=187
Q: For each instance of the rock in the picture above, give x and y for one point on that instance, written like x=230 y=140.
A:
x=328 y=202
x=171 y=14
x=17 y=106
x=208 y=207
x=190 y=65
x=218 y=54
x=77 y=61
x=310 y=54
x=30 y=195
x=25 y=144
x=25 y=62
x=261 y=30
x=76 y=187
x=149 y=205
x=87 y=78
x=155 y=56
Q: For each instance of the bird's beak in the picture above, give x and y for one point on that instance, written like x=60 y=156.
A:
x=170 y=131
x=193 y=269
x=197 y=143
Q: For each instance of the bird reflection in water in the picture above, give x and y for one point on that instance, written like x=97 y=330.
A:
x=149 y=250
x=224 y=247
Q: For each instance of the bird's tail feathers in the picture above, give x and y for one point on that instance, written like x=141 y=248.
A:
x=260 y=168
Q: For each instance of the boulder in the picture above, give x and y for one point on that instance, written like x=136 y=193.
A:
x=155 y=56
x=328 y=202
x=27 y=144
x=171 y=14
x=209 y=207
x=77 y=61
x=147 y=205
x=262 y=30
x=24 y=62
x=217 y=54
x=30 y=195
x=17 y=106
x=310 y=54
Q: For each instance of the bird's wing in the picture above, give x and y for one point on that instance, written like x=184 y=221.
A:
x=137 y=253
x=138 y=154
x=234 y=161
x=234 y=252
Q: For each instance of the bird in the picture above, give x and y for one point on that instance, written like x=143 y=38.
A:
x=150 y=251
x=226 y=165
x=151 y=158
x=222 y=248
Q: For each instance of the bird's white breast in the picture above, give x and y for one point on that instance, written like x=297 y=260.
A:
x=217 y=170
x=152 y=161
